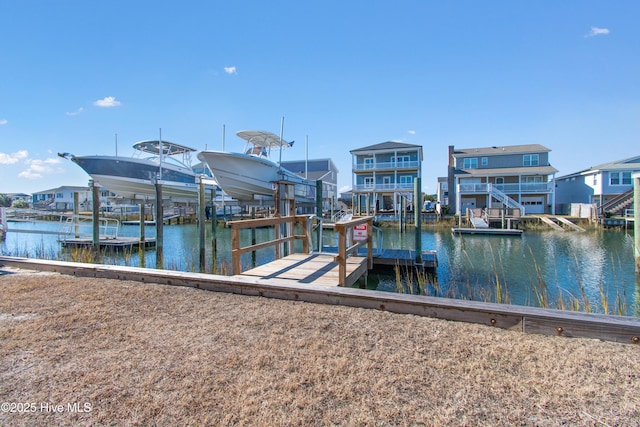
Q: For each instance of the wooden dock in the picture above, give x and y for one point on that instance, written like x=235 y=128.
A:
x=315 y=269
x=341 y=269
x=118 y=243
x=487 y=231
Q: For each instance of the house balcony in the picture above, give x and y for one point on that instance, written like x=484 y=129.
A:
x=516 y=188
x=382 y=188
x=385 y=166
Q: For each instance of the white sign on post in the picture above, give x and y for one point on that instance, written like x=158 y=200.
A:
x=360 y=232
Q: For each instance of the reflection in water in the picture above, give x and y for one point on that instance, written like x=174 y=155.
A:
x=592 y=269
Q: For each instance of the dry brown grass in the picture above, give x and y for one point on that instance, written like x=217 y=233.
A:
x=144 y=354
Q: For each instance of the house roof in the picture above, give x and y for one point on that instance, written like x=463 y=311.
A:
x=506 y=149
x=525 y=170
x=63 y=188
x=389 y=145
x=628 y=164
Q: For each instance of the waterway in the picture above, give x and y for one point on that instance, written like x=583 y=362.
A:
x=590 y=271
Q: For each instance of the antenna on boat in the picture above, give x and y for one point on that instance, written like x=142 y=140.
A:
x=116 y=144
x=223 y=137
x=306 y=157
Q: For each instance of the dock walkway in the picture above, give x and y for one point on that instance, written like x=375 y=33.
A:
x=316 y=269
x=341 y=269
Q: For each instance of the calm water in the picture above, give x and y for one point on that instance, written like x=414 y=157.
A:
x=591 y=267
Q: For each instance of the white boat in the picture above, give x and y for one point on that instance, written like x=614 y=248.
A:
x=135 y=177
x=252 y=175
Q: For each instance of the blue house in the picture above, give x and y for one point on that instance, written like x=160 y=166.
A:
x=383 y=176
x=608 y=186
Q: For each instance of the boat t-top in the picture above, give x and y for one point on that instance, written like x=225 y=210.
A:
x=251 y=175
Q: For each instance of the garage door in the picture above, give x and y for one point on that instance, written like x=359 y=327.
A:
x=533 y=205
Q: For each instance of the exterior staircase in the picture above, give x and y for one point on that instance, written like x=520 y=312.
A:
x=505 y=199
x=618 y=204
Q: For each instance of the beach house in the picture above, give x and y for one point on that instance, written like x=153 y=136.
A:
x=608 y=186
x=383 y=176
x=515 y=176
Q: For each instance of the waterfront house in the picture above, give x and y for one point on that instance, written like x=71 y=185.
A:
x=515 y=176
x=15 y=197
x=61 y=198
x=318 y=170
x=383 y=176
x=609 y=186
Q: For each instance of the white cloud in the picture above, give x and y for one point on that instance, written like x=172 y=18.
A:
x=596 y=31
x=411 y=132
x=230 y=70
x=75 y=113
x=107 y=101
x=9 y=159
x=3 y=122
x=37 y=168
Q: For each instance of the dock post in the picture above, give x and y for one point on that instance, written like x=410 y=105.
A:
x=636 y=219
x=319 y=212
x=201 y=222
x=214 y=225
x=141 y=243
x=159 y=227
x=76 y=211
x=417 y=220
x=95 y=210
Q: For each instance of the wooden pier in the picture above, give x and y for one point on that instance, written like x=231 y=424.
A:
x=316 y=269
x=341 y=269
x=119 y=243
x=487 y=231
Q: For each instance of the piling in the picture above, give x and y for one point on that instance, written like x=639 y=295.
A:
x=636 y=219
x=201 y=223
x=417 y=220
x=95 y=209
x=159 y=227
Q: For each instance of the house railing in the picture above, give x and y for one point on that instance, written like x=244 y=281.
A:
x=382 y=187
x=411 y=164
x=515 y=188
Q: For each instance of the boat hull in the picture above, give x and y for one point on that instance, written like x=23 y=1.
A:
x=136 y=178
x=246 y=178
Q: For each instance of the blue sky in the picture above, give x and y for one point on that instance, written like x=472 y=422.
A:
x=344 y=74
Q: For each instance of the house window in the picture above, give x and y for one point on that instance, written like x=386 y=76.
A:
x=368 y=163
x=619 y=178
x=401 y=161
x=386 y=180
x=406 y=179
x=470 y=163
x=530 y=160
x=368 y=182
x=484 y=161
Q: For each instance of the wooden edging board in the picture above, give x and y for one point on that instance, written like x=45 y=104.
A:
x=526 y=319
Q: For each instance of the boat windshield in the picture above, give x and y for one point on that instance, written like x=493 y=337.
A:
x=257 y=151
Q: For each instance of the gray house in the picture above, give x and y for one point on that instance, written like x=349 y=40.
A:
x=513 y=176
x=609 y=186
x=318 y=170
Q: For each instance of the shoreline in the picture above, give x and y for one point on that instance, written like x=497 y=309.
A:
x=141 y=353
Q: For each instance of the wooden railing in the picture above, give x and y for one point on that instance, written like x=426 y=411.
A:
x=346 y=229
x=276 y=222
x=348 y=242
